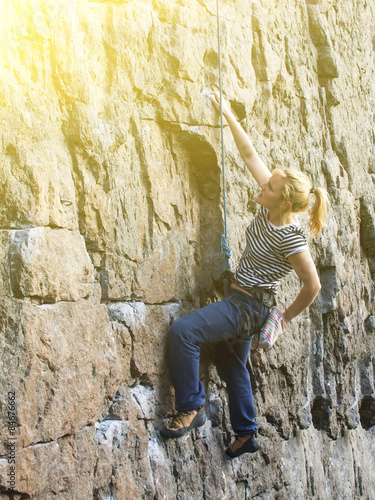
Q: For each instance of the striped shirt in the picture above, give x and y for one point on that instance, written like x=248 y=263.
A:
x=264 y=262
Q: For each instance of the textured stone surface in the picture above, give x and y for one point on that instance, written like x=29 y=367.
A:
x=60 y=359
x=52 y=265
x=110 y=221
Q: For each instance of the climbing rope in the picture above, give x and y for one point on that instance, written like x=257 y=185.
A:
x=224 y=237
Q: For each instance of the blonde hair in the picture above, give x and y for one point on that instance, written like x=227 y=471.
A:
x=297 y=190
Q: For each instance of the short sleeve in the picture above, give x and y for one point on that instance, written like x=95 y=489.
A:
x=294 y=242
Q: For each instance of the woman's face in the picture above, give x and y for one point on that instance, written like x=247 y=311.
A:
x=270 y=195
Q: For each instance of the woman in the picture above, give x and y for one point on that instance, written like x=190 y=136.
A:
x=275 y=245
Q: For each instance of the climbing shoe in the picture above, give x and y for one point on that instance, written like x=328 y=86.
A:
x=182 y=422
x=237 y=448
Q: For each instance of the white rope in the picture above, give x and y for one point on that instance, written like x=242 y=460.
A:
x=224 y=237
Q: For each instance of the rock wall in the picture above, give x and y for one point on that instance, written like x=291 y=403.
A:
x=111 y=214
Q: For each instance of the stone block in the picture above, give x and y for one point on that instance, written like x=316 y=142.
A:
x=36 y=181
x=148 y=326
x=61 y=468
x=123 y=460
x=50 y=265
x=64 y=361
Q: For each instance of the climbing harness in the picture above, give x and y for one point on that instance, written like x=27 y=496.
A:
x=225 y=248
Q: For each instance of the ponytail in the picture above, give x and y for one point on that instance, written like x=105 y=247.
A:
x=318 y=212
x=296 y=191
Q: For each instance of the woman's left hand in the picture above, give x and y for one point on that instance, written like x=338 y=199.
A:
x=215 y=99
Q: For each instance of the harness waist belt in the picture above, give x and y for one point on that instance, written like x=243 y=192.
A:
x=262 y=294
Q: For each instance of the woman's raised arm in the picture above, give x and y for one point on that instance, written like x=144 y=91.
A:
x=257 y=167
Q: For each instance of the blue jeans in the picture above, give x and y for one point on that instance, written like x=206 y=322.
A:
x=216 y=322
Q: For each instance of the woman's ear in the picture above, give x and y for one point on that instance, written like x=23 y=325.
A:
x=286 y=206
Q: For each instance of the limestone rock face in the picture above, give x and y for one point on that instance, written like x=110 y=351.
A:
x=111 y=215
x=52 y=265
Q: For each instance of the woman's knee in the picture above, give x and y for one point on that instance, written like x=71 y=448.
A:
x=177 y=331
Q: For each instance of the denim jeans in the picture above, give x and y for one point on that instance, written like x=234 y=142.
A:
x=216 y=322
